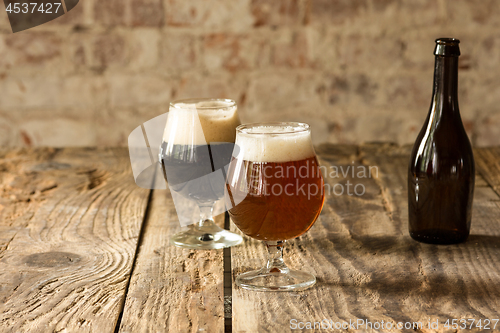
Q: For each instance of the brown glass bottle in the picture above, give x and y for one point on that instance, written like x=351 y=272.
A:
x=441 y=171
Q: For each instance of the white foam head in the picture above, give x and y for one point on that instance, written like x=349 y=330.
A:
x=274 y=142
x=201 y=121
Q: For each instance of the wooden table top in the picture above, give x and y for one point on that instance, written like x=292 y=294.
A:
x=83 y=249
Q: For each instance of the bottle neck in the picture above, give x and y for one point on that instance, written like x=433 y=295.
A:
x=445 y=85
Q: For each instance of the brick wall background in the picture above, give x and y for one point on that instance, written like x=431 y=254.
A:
x=356 y=70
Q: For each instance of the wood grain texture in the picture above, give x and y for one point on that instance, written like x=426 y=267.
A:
x=70 y=222
x=367 y=266
x=173 y=289
x=456 y=281
x=72 y=218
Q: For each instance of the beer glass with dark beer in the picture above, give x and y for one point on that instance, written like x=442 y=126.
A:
x=276 y=191
x=197 y=146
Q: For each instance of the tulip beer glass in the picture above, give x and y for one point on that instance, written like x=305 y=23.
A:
x=276 y=191
x=197 y=146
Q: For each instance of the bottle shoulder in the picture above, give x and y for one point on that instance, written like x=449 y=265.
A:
x=443 y=148
x=446 y=131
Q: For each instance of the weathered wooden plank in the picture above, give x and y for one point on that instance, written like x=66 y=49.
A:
x=67 y=243
x=368 y=268
x=173 y=289
x=75 y=217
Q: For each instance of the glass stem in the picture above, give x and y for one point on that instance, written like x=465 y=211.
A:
x=206 y=214
x=275 y=263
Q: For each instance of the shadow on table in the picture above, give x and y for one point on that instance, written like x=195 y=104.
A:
x=399 y=244
x=486 y=240
x=398 y=268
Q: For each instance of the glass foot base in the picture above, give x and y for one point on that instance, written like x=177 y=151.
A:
x=206 y=237
x=266 y=280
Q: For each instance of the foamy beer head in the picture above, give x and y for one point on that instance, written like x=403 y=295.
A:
x=274 y=142
x=201 y=121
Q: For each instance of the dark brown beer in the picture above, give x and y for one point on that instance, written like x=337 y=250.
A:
x=275 y=200
x=441 y=170
x=189 y=170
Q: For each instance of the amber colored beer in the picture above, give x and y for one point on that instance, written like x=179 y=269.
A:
x=274 y=201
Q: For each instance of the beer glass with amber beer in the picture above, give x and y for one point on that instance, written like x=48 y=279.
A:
x=196 y=150
x=275 y=192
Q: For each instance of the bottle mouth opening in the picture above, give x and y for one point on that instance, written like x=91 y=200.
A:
x=447 y=41
x=447 y=47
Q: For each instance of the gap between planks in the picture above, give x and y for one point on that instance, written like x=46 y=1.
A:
x=137 y=250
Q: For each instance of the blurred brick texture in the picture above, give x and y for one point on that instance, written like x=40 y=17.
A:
x=356 y=70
